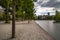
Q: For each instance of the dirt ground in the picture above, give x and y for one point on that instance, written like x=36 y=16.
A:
x=24 y=31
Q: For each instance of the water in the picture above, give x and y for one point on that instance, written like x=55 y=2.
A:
x=52 y=28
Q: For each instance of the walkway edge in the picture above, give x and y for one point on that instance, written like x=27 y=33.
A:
x=44 y=30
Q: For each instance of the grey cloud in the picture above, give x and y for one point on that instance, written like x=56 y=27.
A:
x=51 y=3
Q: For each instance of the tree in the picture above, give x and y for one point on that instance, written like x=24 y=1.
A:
x=29 y=9
x=13 y=17
x=14 y=4
x=25 y=9
x=5 y=4
x=27 y=6
x=19 y=9
x=57 y=16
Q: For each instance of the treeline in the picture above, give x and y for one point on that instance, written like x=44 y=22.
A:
x=55 y=17
x=45 y=17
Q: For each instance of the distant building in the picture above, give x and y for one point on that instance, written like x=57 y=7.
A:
x=48 y=13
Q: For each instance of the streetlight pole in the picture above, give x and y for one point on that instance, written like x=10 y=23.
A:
x=13 y=18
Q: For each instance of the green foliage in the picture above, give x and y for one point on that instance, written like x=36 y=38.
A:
x=57 y=17
x=29 y=8
x=1 y=16
x=18 y=15
x=24 y=8
x=5 y=4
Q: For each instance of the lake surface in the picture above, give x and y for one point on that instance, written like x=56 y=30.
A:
x=52 y=28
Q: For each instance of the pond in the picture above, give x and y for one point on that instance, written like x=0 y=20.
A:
x=52 y=28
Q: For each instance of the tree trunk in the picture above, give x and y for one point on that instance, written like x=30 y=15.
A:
x=7 y=13
x=13 y=19
x=22 y=17
x=28 y=21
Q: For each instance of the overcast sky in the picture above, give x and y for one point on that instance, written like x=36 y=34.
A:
x=44 y=6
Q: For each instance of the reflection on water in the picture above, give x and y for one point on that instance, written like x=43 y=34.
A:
x=52 y=28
